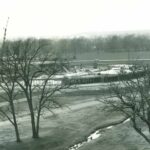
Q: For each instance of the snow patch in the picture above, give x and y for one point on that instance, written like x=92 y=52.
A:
x=127 y=120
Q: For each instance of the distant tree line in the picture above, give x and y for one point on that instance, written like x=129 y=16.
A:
x=115 y=43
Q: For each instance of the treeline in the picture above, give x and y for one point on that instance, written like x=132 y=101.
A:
x=114 y=43
x=74 y=46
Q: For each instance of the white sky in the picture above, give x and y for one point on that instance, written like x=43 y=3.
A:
x=48 y=18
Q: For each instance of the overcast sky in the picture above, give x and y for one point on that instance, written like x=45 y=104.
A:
x=57 y=18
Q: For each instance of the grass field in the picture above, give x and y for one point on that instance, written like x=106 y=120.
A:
x=61 y=131
x=113 y=55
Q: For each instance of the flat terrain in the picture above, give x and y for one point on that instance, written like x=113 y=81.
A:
x=60 y=131
x=113 y=55
x=80 y=116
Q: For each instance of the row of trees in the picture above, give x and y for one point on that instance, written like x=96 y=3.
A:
x=71 y=47
x=112 y=43
x=19 y=67
x=18 y=70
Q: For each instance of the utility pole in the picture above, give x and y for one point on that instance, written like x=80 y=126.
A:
x=5 y=33
x=4 y=37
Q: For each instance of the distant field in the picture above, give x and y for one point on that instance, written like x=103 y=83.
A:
x=89 y=58
x=113 y=55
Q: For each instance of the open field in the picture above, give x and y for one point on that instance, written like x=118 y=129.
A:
x=80 y=115
x=89 y=58
x=113 y=55
x=72 y=125
x=60 y=131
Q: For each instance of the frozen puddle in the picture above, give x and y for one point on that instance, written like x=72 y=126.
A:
x=94 y=136
x=109 y=127
x=127 y=120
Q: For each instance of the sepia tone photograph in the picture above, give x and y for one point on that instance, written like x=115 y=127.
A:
x=74 y=75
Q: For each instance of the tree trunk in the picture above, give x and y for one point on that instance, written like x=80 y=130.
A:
x=15 y=122
x=38 y=121
x=139 y=131
x=34 y=132
x=17 y=133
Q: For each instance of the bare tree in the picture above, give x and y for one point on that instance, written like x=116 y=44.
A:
x=46 y=98
x=8 y=76
x=31 y=67
x=132 y=98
